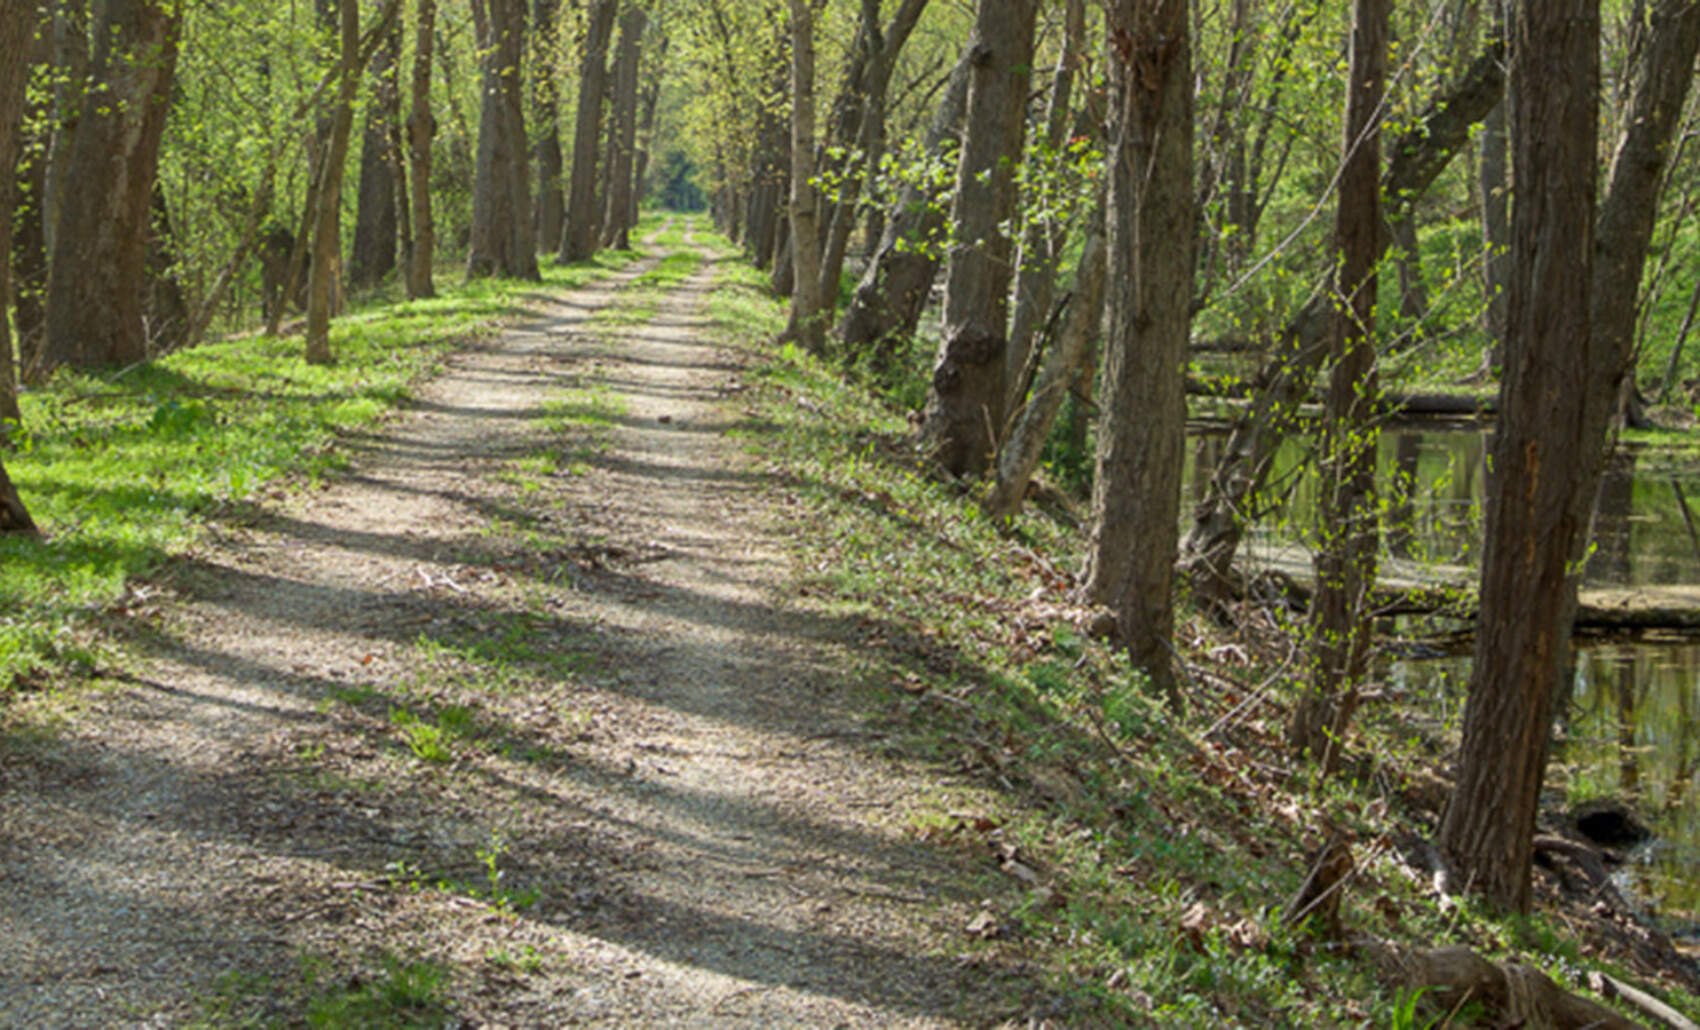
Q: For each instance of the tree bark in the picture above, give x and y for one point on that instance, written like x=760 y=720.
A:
x=1624 y=231
x=964 y=409
x=1347 y=519
x=1042 y=242
x=327 y=235
x=167 y=312
x=866 y=111
x=616 y=214
x=28 y=253
x=373 y=253
x=550 y=209
x=1136 y=492
x=421 y=130
x=1019 y=455
x=97 y=278
x=650 y=100
x=806 y=311
x=584 y=219
x=1545 y=453
x=887 y=304
x=1415 y=160
x=17 y=26
x=502 y=242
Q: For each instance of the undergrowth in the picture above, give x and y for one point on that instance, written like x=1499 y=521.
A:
x=1148 y=856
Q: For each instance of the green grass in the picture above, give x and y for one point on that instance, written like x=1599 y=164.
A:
x=122 y=470
x=390 y=993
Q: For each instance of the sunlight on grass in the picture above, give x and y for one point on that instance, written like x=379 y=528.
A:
x=122 y=469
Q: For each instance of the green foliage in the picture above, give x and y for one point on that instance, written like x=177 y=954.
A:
x=401 y=995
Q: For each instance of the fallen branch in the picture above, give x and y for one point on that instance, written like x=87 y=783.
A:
x=1612 y=988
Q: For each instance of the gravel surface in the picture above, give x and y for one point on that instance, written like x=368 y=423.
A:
x=652 y=804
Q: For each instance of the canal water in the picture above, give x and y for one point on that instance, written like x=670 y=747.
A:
x=1630 y=730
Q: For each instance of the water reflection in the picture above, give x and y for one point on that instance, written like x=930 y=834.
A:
x=1629 y=731
x=1434 y=483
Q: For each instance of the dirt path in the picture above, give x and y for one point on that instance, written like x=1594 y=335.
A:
x=539 y=630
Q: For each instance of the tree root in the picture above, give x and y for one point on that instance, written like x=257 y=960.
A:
x=1519 y=995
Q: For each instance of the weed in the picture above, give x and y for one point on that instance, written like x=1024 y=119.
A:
x=401 y=995
x=433 y=741
x=504 y=898
x=529 y=960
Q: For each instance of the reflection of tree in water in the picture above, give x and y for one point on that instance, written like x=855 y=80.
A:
x=1402 y=514
x=1614 y=509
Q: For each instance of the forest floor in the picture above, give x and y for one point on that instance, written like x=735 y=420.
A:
x=520 y=722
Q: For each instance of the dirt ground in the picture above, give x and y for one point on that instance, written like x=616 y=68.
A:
x=524 y=696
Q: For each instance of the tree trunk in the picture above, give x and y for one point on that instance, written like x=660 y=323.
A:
x=1041 y=243
x=1416 y=159
x=1341 y=619
x=327 y=235
x=1496 y=212
x=1136 y=491
x=28 y=253
x=421 y=130
x=806 y=314
x=584 y=219
x=964 y=409
x=550 y=209
x=1019 y=455
x=167 y=314
x=373 y=253
x=869 y=93
x=374 y=223
x=1625 y=228
x=17 y=26
x=502 y=243
x=97 y=279
x=616 y=214
x=1545 y=453
x=71 y=82
x=887 y=304
x=646 y=127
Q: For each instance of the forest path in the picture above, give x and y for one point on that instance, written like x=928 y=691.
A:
x=511 y=724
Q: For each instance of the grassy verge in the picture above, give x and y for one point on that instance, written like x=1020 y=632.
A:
x=1146 y=857
x=122 y=470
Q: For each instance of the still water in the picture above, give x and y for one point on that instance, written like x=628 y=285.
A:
x=1631 y=728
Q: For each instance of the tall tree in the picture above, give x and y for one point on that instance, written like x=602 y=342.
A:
x=421 y=130
x=584 y=218
x=502 y=241
x=964 y=408
x=1545 y=453
x=97 y=279
x=860 y=112
x=1345 y=564
x=649 y=101
x=546 y=152
x=1063 y=361
x=886 y=306
x=806 y=311
x=373 y=253
x=622 y=137
x=1150 y=238
x=1043 y=239
x=17 y=26
x=325 y=271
